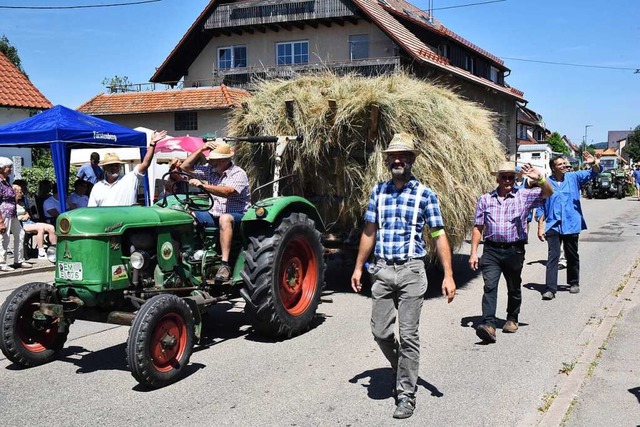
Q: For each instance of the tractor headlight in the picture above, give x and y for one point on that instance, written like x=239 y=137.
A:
x=51 y=254
x=261 y=212
x=139 y=259
x=64 y=225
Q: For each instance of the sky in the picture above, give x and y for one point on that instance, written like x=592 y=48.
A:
x=68 y=53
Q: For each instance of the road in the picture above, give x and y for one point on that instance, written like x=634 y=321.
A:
x=334 y=374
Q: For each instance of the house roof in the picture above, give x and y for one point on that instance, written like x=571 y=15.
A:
x=570 y=144
x=385 y=17
x=209 y=98
x=16 y=90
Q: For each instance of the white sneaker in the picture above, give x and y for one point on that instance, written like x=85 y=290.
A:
x=42 y=255
x=562 y=263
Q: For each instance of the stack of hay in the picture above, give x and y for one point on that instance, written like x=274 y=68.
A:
x=347 y=121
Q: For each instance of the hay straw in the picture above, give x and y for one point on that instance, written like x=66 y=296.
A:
x=338 y=163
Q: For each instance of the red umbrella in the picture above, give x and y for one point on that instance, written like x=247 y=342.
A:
x=187 y=144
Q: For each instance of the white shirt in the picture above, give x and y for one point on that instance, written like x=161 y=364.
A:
x=51 y=203
x=80 y=201
x=123 y=192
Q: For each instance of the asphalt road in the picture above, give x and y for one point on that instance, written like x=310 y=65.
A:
x=334 y=374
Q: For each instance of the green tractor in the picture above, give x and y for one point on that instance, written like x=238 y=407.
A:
x=610 y=182
x=153 y=268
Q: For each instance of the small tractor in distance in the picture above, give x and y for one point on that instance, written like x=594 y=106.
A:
x=610 y=182
x=154 y=268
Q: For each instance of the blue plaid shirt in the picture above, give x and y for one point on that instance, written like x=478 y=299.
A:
x=401 y=216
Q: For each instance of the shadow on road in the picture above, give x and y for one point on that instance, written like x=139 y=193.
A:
x=636 y=392
x=189 y=370
x=382 y=382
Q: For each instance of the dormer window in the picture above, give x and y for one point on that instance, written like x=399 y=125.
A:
x=470 y=64
x=494 y=74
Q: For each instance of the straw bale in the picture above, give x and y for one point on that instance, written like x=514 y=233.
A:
x=340 y=159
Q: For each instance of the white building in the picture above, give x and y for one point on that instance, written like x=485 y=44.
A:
x=536 y=154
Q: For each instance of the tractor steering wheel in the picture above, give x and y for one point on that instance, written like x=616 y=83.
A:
x=187 y=201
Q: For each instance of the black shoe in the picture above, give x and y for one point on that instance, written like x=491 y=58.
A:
x=486 y=333
x=548 y=295
x=574 y=289
x=405 y=408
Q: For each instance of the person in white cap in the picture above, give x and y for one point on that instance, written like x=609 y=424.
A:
x=399 y=211
x=9 y=222
x=228 y=184
x=117 y=189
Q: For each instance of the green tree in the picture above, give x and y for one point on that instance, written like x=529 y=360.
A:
x=11 y=53
x=557 y=144
x=116 y=83
x=632 y=149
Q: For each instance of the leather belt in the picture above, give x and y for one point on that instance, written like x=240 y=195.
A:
x=401 y=261
x=504 y=245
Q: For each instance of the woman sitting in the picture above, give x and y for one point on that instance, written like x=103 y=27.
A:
x=40 y=228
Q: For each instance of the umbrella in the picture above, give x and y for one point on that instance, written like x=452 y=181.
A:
x=177 y=144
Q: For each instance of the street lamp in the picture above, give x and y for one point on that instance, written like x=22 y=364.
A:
x=584 y=142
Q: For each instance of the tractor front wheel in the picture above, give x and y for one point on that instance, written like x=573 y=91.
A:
x=160 y=341
x=23 y=342
x=284 y=277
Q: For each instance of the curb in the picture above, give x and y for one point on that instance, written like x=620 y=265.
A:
x=569 y=387
x=24 y=271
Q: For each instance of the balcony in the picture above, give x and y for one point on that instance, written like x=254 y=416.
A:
x=265 y=12
x=248 y=77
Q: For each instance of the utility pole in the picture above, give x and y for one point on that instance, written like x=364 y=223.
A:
x=584 y=141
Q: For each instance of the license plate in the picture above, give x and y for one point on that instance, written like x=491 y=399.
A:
x=70 y=270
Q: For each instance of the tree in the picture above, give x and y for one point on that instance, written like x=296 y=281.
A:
x=116 y=83
x=557 y=144
x=11 y=53
x=632 y=149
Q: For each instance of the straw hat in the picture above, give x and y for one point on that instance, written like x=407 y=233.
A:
x=505 y=167
x=222 y=151
x=401 y=142
x=111 y=159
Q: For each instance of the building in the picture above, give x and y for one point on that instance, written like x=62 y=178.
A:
x=192 y=111
x=19 y=99
x=238 y=43
x=536 y=154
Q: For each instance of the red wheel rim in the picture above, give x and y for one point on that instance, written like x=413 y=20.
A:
x=168 y=342
x=34 y=340
x=298 y=276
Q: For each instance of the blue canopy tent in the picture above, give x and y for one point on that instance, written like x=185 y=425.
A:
x=63 y=129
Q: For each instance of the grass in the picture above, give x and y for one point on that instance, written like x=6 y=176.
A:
x=567 y=367
x=547 y=400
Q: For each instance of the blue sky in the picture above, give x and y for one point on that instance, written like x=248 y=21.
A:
x=67 y=53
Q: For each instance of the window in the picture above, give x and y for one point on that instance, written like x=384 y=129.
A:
x=232 y=57
x=359 y=46
x=186 y=120
x=470 y=64
x=535 y=156
x=289 y=53
x=494 y=74
x=443 y=50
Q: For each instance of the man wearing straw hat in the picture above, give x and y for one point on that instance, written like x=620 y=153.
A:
x=228 y=184
x=501 y=216
x=117 y=189
x=398 y=212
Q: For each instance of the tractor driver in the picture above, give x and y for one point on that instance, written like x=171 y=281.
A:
x=228 y=185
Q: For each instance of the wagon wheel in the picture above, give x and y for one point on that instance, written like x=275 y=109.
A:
x=160 y=341
x=21 y=341
x=284 y=277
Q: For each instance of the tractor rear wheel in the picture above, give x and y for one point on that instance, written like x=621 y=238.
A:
x=589 y=191
x=284 y=277
x=160 y=341
x=20 y=340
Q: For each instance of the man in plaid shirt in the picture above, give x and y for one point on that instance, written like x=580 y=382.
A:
x=501 y=216
x=228 y=185
x=398 y=211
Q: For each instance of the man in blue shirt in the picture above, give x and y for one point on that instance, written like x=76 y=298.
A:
x=562 y=213
x=397 y=213
x=636 y=179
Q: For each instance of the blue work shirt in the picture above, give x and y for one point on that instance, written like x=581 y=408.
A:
x=562 y=211
x=401 y=216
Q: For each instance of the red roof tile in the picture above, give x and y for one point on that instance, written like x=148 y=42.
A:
x=209 y=98
x=16 y=90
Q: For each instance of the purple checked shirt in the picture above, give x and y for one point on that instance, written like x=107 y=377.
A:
x=505 y=220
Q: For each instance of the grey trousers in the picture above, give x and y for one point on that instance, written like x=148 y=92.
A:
x=398 y=292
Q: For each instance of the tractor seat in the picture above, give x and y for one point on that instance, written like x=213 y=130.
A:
x=204 y=222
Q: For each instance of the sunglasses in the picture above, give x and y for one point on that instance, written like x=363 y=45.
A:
x=508 y=177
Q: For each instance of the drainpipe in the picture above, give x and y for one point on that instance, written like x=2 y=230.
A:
x=519 y=105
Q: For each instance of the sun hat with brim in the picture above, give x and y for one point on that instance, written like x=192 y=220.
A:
x=401 y=142
x=222 y=151
x=505 y=167
x=111 y=159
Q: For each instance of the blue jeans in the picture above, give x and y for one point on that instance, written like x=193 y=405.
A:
x=570 y=244
x=496 y=261
x=398 y=292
